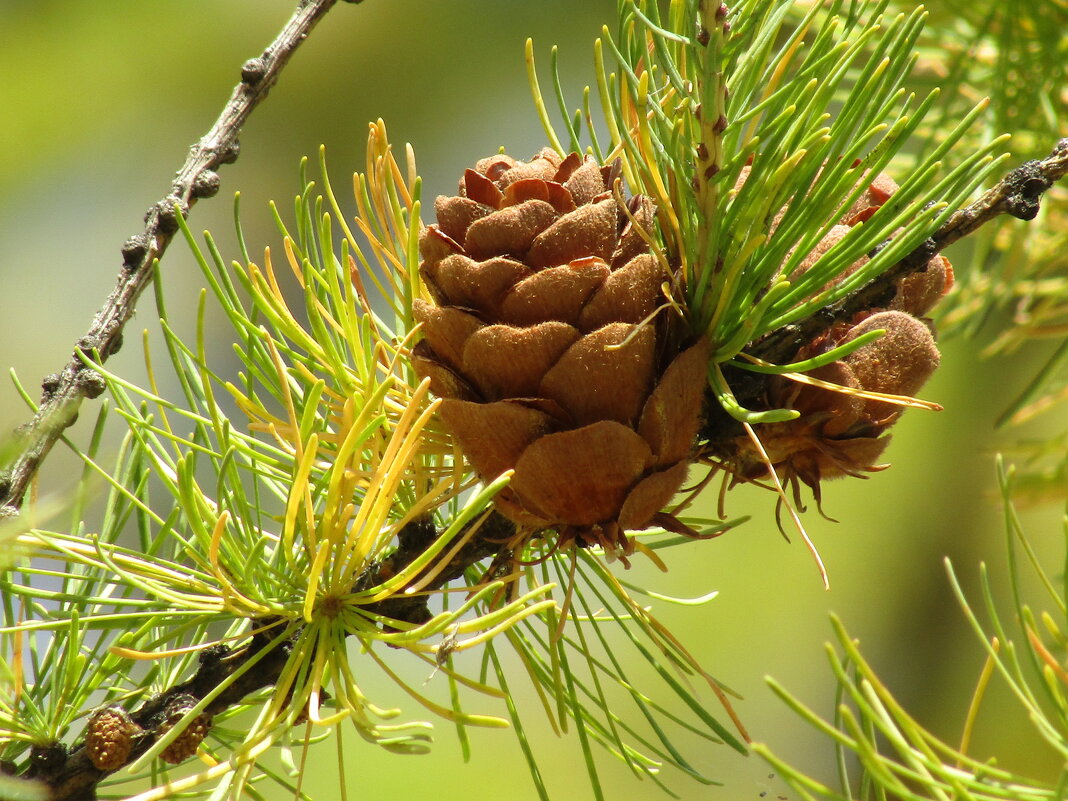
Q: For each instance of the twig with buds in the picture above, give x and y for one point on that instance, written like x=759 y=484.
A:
x=64 y=391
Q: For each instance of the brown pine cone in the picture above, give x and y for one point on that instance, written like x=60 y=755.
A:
x=547 y=343
x=188 y=741
x=838 y=433
x=109 y=737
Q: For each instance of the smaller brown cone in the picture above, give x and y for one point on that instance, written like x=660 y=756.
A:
x=840 y=431
x=109 y=738
x=898 y=363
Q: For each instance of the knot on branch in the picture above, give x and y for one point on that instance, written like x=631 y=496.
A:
x=46 y=759
x=253 y=70
x=228 y=152
x=206 y=184
x=134 y=250
x=1024 y=188
x=166 y=212
x=50 y=384
x=91 y=383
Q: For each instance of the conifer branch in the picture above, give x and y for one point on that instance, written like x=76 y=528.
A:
x=71 y=775
x=63 y=392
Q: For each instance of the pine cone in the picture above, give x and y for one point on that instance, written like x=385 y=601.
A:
x=838 y=433
x=109 y=736
x=188 y=741
x=545 y=343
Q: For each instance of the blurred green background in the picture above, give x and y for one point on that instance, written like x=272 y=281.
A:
x=100 y=103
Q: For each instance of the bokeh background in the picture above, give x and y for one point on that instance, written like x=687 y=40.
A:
x=98 y=105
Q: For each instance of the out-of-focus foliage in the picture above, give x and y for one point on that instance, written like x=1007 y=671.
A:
x=1013 y=278
x=884 y=752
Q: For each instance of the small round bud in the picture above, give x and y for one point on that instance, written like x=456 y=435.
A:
x=188 y=741
x=169 y=209
x=229 y=154
x=92 y=383
x=49 y=384
x=87 y=344
x=252 y=71
x=109 y=737
x=134 y=250
x=206 y=184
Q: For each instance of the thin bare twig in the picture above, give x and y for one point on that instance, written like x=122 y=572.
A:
x=64 y=391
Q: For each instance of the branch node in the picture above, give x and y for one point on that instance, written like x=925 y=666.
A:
x=86 y=344
x=1024 y=188
x=46 y=759
x=229 y=152
x=168 y=210
x=49 y=384
x=210 y=657
x=91 y=383
x=134 y=250
x=206 y=184
x=252 y=71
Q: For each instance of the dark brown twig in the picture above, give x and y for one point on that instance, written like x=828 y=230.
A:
x=63 y=391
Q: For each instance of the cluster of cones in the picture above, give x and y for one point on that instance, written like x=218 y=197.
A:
x=551 y=342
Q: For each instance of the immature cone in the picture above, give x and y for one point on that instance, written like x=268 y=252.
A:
x=546 y=345
x=188 y=741
x=109 y=736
